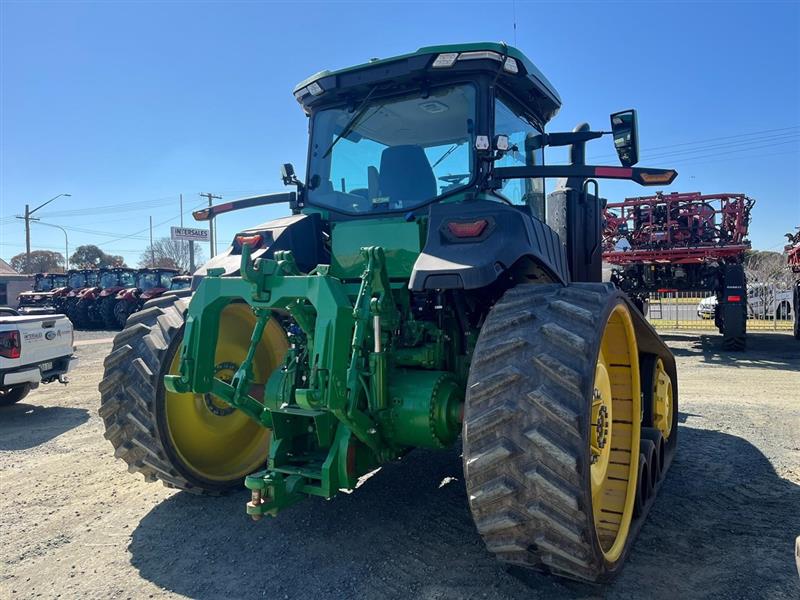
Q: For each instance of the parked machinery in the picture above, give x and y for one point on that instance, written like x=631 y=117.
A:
x=149 y=284
x=92 y=301
x=41 y=300
x=418 y=292
x=683 y=241
x=793 y=263
x=78 y=280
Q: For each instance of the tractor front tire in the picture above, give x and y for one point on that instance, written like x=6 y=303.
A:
x=552 y=430
x=192 y=442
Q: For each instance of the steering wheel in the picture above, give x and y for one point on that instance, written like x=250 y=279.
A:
x=453 y=179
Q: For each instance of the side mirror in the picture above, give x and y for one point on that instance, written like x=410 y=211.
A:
x=287 y=174
x=626 y=137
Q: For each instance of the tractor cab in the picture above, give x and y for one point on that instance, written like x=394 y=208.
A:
x=154 y=282
x=41 y=299
x=80 y=280
x=114 y=280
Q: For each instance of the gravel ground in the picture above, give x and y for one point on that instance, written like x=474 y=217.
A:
x=75 y=524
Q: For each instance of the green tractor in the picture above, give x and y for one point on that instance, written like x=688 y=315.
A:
x=424 y=288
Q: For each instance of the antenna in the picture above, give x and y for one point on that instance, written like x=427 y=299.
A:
x=514 y=10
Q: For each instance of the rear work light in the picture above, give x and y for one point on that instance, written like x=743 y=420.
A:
x=734 y=298
x=448 y=59
x=9 y=344
x=244 y=239
x=467 y=229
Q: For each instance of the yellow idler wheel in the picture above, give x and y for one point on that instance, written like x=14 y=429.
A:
x=552 y=425
x=614 y=433
x=658 y=395
x=212 y=439
x=189 y=441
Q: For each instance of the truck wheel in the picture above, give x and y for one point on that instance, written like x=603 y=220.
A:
x=107 y=308
x=12 y=395
x=551 y=429
x=193 y=442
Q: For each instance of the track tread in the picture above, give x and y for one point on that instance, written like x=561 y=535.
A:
x=525 y=459
x=127 y=389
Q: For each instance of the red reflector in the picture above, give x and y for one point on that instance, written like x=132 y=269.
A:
x=734 y=298
x=621 y=172
x=254 y=241
x=467 y=230
x=9 y=344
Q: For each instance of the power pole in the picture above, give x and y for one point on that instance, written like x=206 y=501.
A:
x=27 y=239
x=27 y=217
x=152 y=250
x=212 y=234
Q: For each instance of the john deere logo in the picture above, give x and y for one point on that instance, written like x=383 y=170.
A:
x=50 y=335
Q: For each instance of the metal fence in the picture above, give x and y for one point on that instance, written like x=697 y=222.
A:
x=768 y=309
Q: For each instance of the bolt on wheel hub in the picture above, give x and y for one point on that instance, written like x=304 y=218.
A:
x=224 y=371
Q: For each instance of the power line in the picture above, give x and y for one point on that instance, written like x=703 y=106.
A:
x=714 y=139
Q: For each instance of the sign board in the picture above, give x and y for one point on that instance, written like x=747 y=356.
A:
x=189 y=234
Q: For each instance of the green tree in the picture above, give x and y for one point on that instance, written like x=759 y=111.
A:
x=92 y=256
x=42 y=261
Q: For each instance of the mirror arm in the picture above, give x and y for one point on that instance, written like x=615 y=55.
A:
x=640 y=175
x=206 y=214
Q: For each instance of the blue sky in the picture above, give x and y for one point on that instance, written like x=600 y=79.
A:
x=126 y=105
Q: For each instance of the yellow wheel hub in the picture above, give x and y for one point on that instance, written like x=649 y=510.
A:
x=662 y=400
x=213 y=440
x=615 y=433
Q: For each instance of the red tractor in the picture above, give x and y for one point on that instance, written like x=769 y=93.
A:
x=793 y=261
x=41 y=300
x=78 y=280
x=92 y=301
x=149 y=284
x=687 y=242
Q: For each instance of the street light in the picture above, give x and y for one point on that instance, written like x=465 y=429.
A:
x=66 y=242
x=27 y=217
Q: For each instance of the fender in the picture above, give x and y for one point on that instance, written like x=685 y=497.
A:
x=302 y=234
x=510 y=235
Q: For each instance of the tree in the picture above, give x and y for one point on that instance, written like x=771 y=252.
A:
x=92 y=256
x=42 y=261
x=168 y=253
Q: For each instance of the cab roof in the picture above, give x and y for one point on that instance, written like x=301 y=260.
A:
x=413 y=69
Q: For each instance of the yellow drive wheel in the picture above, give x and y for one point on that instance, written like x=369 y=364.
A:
x=193 y=442
x=614 y=433
x=658 y=395
x=214 y=440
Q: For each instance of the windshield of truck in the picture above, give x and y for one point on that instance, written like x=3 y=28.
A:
x=392 y=154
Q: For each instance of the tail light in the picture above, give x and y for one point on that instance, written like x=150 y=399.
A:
x=734 y=298
x=244 y=239
x=467 y=229
x=9 y=344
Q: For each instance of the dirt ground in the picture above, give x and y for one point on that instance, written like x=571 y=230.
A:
x=75 y=524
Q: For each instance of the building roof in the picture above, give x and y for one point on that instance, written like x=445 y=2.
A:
x=5 y=268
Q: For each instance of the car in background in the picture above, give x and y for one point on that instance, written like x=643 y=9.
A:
x=707 y=307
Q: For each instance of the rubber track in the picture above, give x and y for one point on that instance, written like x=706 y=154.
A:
x=526 y=428
x=128 y=391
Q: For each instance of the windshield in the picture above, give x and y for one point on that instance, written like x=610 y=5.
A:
x=179 y=284
x=523 y=151
x=91 y=278
x=108 y=280
x=395 y=154
x=75 y=280
x=148 y=281
x=42 y=284
x=59 y=281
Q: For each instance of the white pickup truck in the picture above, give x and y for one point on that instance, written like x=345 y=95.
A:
x=33 y=350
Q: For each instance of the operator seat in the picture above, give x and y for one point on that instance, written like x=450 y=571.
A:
x=406 y=175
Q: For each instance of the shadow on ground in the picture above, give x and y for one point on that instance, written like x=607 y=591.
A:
x=24 y=426
x=764 y=350
x=723 y=526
